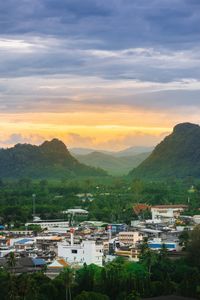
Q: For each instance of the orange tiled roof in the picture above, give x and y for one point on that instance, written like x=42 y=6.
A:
x=140 y=207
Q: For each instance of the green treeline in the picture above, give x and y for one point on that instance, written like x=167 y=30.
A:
x=112 y=199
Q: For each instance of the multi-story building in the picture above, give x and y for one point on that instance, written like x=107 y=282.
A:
x=87 y=252
x=167 y=212
x=130 y=237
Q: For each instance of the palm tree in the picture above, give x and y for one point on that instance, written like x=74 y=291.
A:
x=149 y=259
x=11 y=261
x=67 y=275
x=147 y=256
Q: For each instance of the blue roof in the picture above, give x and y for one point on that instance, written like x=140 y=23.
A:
x=2 y=227
x=159 y=245
x=39 y=261
x=24 y=241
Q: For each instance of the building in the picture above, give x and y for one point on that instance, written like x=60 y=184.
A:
x=158 y=244
x=86 y=252
x=131 y=253
x=196 y=219
x=24 y=244
x=130 y=237
x=140 y=208
x=56 y=267
x=50 y=224
x=116 y=228
x=167 y=213
x=47 y=243
x=24 y=265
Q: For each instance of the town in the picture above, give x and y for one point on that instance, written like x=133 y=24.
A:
x=58 y=243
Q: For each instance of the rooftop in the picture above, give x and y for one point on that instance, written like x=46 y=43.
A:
x=171 y=206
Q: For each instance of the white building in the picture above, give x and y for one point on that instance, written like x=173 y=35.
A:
x=50 y=224
x=130 y=237
x=196 y=219
x=167 y=212
x=86 y=252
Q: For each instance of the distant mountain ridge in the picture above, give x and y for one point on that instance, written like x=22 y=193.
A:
x=49 y=160
x=177 y=156
x=126 y=152
x=114 y=165
x=135 y=150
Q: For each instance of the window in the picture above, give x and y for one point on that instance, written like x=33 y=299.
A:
x=74 y=251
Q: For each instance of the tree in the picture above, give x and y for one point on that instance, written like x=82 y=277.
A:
x=11 y=261
x=184 y=238
x=193 y=249
x=67 y=276
x=147 y=256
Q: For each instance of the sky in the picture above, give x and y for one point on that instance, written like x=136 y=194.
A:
x=97 y=73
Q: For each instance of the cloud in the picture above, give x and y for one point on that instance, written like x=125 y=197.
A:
x=78 y=57
x=16 y=138
x=63 y=93
x=137 y=138
x=74 y=139
x=119 y=24
x=147 y=21
x=120 y=141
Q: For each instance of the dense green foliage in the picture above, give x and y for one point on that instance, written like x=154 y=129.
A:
x=49 y=160
x=114 y=165
x=177 y=156
x=112 y=200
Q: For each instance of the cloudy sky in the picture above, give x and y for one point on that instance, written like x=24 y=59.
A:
x=98 y=73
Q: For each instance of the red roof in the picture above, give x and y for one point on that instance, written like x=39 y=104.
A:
x=140 y=207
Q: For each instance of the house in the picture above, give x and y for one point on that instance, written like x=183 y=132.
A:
x=24 y=265
x=56 y=267
x=58 y=264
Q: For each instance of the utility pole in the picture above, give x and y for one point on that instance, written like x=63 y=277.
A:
x=33 y=197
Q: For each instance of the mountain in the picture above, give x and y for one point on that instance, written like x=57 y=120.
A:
x=131 y=151
x=49 y=160
x=178 y=155
x=116 y=166
x=134 y=151
x=81 y=151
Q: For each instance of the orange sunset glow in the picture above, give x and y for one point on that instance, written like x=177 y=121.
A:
x=79 y=79
x=101 y=130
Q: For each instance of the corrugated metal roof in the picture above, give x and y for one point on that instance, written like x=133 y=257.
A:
x=24 y=241
x=39 y=261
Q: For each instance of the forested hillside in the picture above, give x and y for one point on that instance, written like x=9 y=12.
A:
x=49 y=160
x=177 y=156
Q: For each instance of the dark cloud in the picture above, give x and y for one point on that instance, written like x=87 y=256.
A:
x=118 y=23
x=112 y=41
